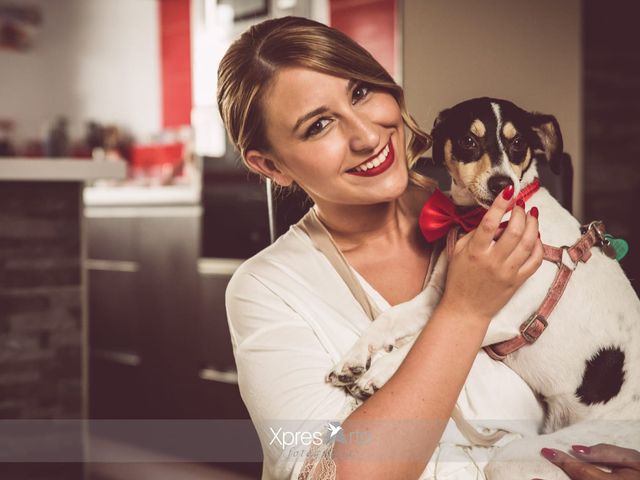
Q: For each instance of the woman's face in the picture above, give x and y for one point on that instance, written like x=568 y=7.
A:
x=323 y=130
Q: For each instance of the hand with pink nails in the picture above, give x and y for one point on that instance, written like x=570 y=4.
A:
x=622 y=463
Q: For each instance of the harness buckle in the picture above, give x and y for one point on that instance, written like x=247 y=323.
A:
x=598 y=228
x=602 y=239
x=527 y=324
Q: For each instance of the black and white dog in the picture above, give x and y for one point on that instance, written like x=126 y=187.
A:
x=586 y=365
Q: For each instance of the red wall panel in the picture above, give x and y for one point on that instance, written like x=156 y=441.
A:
x=371 y=23
x=175 y=55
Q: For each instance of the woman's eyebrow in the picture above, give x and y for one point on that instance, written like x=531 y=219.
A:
x=309 y=115
x=319 y=110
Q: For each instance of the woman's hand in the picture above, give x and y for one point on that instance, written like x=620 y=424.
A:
x=624 y=463
x=484 y=273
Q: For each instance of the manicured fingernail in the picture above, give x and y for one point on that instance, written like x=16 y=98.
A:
x=534 y=212
x=504 y=224
x=549 y=453
x=507 y=193
x=581 y=449
x=520 y=203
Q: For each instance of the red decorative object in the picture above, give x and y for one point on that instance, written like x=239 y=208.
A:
x=439 y=214
x=371 y=23
x=147 y=156
x=175 y=55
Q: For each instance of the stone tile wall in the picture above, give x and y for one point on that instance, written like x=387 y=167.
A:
x=40 y=310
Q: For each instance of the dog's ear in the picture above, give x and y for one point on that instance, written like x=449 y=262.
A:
x=550 y=143
x=438 y=136
x=440 y=118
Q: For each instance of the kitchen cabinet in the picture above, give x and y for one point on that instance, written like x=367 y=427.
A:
x=159 y=342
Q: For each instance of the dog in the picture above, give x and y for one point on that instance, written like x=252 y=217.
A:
x=585 y=366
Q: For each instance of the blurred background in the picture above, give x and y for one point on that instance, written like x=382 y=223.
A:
x=124 y=211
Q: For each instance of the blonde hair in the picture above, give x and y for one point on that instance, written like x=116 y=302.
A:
x=252 y=61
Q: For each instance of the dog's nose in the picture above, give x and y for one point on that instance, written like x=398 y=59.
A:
x=498 y=183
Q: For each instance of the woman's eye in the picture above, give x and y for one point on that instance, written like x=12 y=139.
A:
x=468 y=142
x=359 y=92
x=316 y=127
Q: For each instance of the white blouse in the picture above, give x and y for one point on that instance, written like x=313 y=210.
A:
x=292 y=317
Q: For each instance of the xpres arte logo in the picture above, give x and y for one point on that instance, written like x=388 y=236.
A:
x=285 y=439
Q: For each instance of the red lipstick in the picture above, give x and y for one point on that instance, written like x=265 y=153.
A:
x=371 y=172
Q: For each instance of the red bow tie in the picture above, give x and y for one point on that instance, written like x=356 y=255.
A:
x=439 y=214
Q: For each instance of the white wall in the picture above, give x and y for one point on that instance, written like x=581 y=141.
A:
x=93 y=59
x=526 y=52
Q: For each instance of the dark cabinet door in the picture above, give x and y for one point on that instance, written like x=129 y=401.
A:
x=143 y=303
x=113 y=282
x=159 y=342
x=217 y=373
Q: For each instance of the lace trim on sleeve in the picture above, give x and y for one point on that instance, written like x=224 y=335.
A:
x=318 y=463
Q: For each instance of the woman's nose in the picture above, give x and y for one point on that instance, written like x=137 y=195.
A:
x=363 y=134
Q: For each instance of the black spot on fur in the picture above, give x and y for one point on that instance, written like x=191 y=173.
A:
x=603 y=376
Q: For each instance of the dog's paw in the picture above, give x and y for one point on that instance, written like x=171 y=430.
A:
x=357 y=392
x=358 y=360
x=382 y=369
x=347 y=372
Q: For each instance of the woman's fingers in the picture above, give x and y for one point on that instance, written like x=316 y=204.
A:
x=482 y=271
x=609 y=455
x=533 y=262
x=624 y=462
x=512 y=235
x=483 y=235
x=527 y=243
x=576 y=469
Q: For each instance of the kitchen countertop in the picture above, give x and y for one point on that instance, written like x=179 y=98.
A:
x=142 y=195
x=59 y=169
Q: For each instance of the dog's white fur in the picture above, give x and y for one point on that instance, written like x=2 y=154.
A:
x=599 y=309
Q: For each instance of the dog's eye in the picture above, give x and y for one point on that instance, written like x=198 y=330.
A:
x=468 y=142
x=518 y=144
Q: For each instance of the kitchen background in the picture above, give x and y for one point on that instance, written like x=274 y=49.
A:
x=113 y=265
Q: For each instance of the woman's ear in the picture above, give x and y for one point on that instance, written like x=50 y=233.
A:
x=260 y=163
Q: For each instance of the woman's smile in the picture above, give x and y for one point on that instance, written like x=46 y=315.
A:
x=376 y=164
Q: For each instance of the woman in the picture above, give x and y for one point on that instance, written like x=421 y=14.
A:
x=307 y=107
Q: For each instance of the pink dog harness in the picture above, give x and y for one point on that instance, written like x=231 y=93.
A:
x=566 y=259
x=533 y=327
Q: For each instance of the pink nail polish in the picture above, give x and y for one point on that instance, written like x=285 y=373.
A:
x=581 y=449
x=520 y=203
x=549 y=453
x=507 y=193
x=534 y=212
